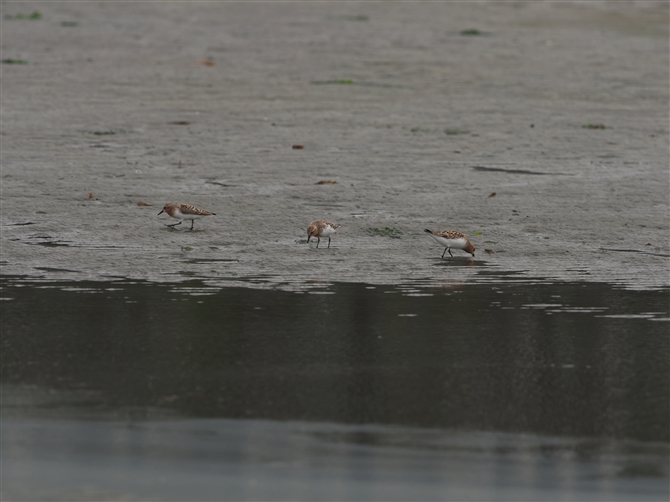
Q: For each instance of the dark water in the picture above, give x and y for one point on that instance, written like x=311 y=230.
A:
x=582 y=367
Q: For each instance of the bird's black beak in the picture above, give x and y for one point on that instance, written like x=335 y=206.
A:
x=162 y=211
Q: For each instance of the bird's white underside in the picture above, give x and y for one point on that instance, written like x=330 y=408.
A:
x=328 y=231
x=182 y=216
x=450 y=243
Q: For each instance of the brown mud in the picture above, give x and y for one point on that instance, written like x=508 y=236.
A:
x=419 y=112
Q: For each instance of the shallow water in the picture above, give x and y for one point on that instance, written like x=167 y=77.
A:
x=506 y=390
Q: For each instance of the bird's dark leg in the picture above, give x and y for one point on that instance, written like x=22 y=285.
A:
x=192 y=222
x=318 y=239
x=443 y=252
x=449 y=249
x=172 y=226
x=328 y=242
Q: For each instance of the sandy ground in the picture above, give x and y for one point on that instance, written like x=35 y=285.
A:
x=417 y=123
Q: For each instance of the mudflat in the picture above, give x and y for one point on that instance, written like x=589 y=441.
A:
x=538 y=129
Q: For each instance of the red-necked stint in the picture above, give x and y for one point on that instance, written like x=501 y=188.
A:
x=452 y=239
x=321 y=228
x=183 y=211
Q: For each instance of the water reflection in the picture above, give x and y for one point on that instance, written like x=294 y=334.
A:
x=500 y=390
x=556 y=359
x=221 y=459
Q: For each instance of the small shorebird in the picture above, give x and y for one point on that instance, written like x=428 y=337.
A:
x=452 y=239
x=321 y=228
x=183 y=211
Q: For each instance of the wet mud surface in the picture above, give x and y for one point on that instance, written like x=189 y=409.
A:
x=418 y=118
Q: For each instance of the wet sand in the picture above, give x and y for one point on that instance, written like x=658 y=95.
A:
x=416 y=120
